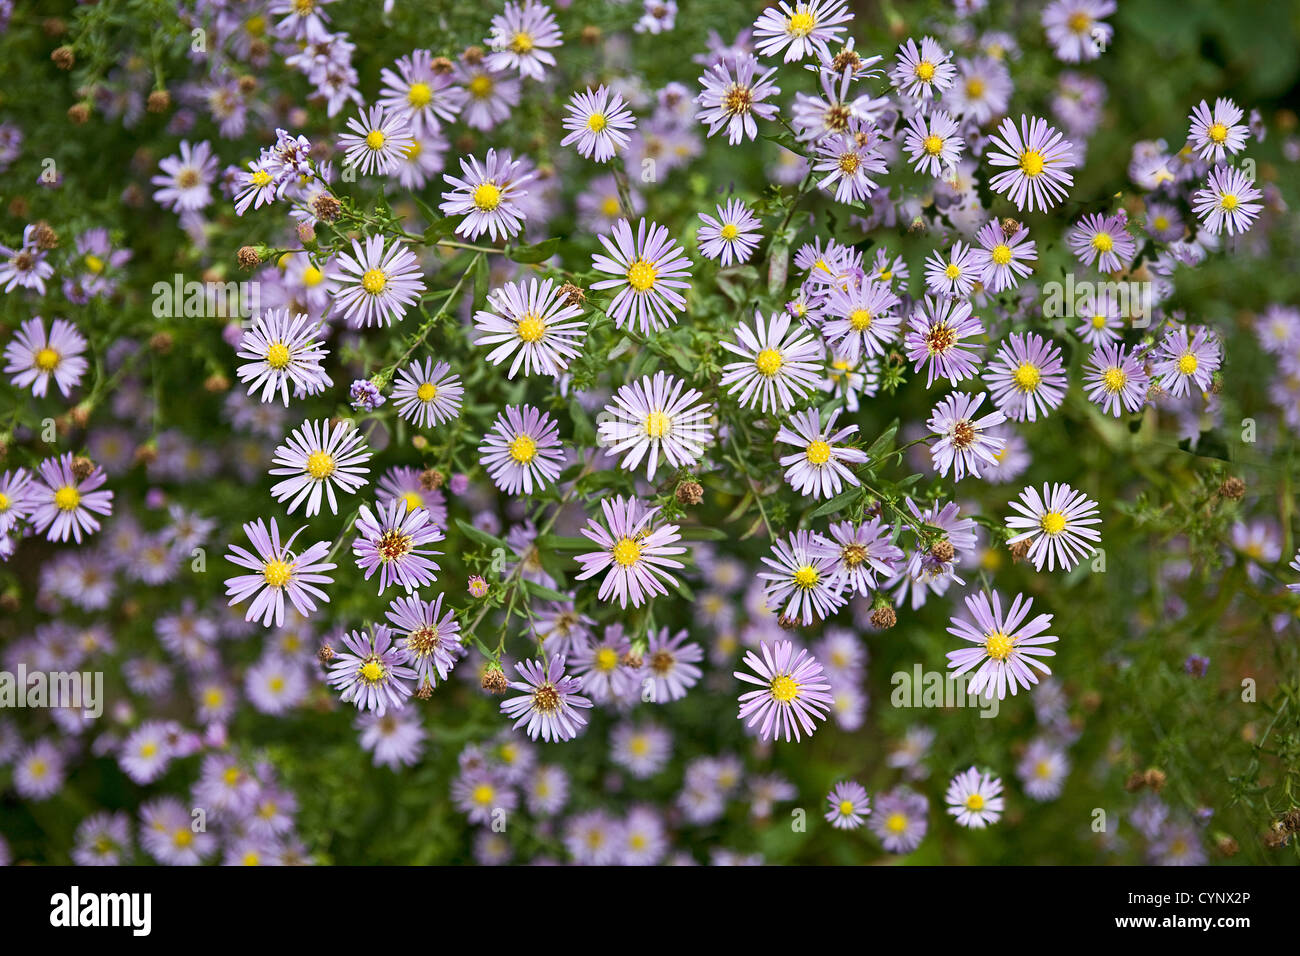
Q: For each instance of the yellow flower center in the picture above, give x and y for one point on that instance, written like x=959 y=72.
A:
x=427 y=392
x=627 y=552
x=1161 y=223
x=531 y=327
x=372 y=671
x=412 y=501
x=1114 y=378
x=641 y=275
x=311 y=276
x=896 y=823
x=277 y=356
x=819 y=452
x=1228 y=201
x=597 y=122
x=277 y=573
x=846 y=808
x=487 y=196
x=1053 y=522
x=933 y=144
x=610 y=206
x=94 y=263
x=1001 y=254
x=1026 y=377
x=522 y=43
x=523 y=449
x=658 y=424
x=1102 y=241
x=375 y=139
x=1188 y=363
x=261 y=178
x=974 y=88
x=784 y=689
x=975 y=802
x=484 y=794
x=606 y=659
x=1079 y=22
x=182 y=838
x=769 y=362
x=801 y=24
x=374 y=281
x=67 y=498
x=924 y=71
x=1218 y=132
x=806 y=576
x=47 y=359
x=729 y=231
x=953 y=271
x=420 y=94
x=480 y=87
x=1031 y=162
x=860 y=319
x=320 y=465
x=4 y=502
x=998 y=645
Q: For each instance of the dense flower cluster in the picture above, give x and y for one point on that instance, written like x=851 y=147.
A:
x=613 y=433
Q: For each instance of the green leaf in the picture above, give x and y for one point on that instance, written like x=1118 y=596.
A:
x=542 y=591
x=482 y=537
x=884 y=442
x=538 y=252
x=839 y=503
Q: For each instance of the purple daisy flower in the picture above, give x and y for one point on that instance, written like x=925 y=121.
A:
x=781 y=364
x=596 y=121
x=670 y=665
x=922 y=72
x=821 y=467
x=1038 y=156
x=277 y=572
x=371 y=672
x=36 y=358
x=933 y=143
x=391 y=542
x=953 y=276
x=633 y=550
x=975 y=799
x=1228 y=200
x=651 y=267
x=935 y=340
x=376 y=284
x=1104 y=240
x=732 y=237
x=319 y=459
x=522 y=452
x=1182 y=362
x=16 y=499
x=1217 y=132
x=1007 y=647
x=427 y=393
x=535 y=322
x=488 y=195
x=846 y=160
x=861 y=322
x=1058 y=523
x=1115 y=379
x=549 y=702
x=734 y=100
x=283 y=349
x=1026 y=377
x=806 y=27
x=963 y=444
x=61 y=502
x=802 y=584
x=521 y=37
x=1075 y=30
x=849 y=805
x=654 y=416
x=793 y=693
x=860 y=552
